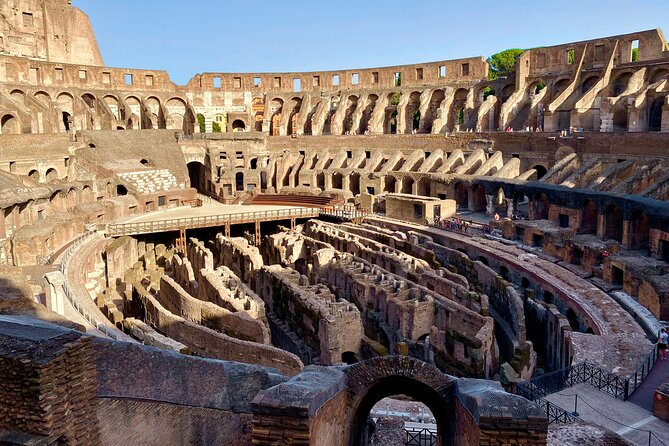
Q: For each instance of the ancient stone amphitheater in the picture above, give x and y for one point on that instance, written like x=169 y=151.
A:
x=260 y=259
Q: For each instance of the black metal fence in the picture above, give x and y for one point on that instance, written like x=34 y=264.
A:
x=420 y=437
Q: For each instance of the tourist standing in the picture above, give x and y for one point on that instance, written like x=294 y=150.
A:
x=662 y=342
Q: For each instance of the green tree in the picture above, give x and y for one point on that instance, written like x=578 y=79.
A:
x=635 y=54
x=200 y=121
x=216 y=127
x=503 y=62
x=488 y=91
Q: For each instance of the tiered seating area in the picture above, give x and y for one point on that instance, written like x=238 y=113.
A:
x=150 y=181
x=292 y=200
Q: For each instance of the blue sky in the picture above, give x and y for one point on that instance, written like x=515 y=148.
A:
x=190 y=37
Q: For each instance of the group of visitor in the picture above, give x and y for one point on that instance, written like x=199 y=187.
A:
x=458 y=225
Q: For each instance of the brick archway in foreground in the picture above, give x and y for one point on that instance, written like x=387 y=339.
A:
x=370 y=381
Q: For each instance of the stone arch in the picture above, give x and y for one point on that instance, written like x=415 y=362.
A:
x=478 y=197
x=275 y=108
x=34 y=175
x=51 y=175
x=43 y=98
x=588 y=83
x=390 y=120
x=351 y=106
x=412 y=113
x=407 y=185
x=437 y=98
x=457 y=113
x=18 y=96
x=541 y=206
x=620 y=119
x=9 y=125
x=389 y=184
x=507 y=91
x=369 y=382
x=621 y=83
x=367 y=113
x=559 y=86
x=541 y=171
x=175 y=121
x=293 y=119
x=655 y=114
x=197 y=175
x=658 y=75
x=354 y=183
x=337 y=181
x=238 y=125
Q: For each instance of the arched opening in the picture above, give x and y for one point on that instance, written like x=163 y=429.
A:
x=541 y=206
x=412 y=113
x=275 y=107
x=337 y=181
x=239 y=181
x=34 y=175
x=461 y=196
x=354 y=183
x=639 y=231
x=144 y=162
x=655 y=114
x=588 y=84
x=504 y=272
x=390 y=183
x=67 y=121
x=407 y=185
x=439 y=402
x=621 y=83
x=320 y=180
x=613 y=223
x=479 y=198
x=197 y=175
x=589 y=217
x=238 y=125
x=541 y=171
x=349 y=358
x=573 y=320
x=351 y=106
x=9 y=125
x=457 y=113
x=483 y=260
x=425 y=187
x=121 y=190
x=51 y=175
x=548 y=297
x=263 y=180
x=620 y=120
x=367 y=113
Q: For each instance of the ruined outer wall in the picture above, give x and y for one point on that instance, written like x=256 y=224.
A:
x=50 y=30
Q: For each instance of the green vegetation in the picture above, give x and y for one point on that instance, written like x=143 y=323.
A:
x=200 y=121
x=488 y=91
x=395 y=99
x=503 y=62
x=216 y=127
x=635 y=54
x=540 y=86
x=571 y=56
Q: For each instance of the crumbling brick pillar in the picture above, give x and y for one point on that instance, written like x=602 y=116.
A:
x=49 y=384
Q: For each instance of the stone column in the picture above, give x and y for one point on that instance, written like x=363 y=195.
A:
x=664 y=127
x=510 y=207
x=490 y=205
x=55 y=293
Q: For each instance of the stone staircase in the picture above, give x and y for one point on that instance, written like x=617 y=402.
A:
x=150 y=181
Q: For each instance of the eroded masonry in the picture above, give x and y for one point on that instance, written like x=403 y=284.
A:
x=260 y=259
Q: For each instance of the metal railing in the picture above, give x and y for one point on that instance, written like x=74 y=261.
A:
x=343 y=212
x=208 y=221
x=642 y=372
x=420 y=437
x=536 y=389
x=70 y=295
